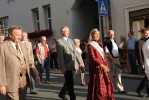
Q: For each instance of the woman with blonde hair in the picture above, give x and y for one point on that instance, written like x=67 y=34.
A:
x=77 y=67
x=100 y=86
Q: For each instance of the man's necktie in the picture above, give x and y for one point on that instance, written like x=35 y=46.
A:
x=25 y=44
x=22 y=81
x=17 y=49
x=69 y=43
x=23 y=66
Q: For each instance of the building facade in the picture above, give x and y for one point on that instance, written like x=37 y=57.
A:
x=129 y=15
x=80 y=15
x=38 y=15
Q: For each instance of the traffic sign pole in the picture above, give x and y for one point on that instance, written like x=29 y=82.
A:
x=102 y=11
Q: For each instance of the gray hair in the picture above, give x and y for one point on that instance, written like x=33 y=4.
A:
x=76 y=41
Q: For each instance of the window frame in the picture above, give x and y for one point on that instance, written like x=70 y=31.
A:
x=4 y=28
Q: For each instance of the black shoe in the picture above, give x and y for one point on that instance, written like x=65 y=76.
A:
x=139 y=94
x=131 y=73
x=48 y=82
x=124 y=92
x=62 y=96
x=35 y=93
x=83 y=84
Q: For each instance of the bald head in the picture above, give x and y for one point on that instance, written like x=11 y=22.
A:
x=111 y=34
x=24 y=36
x=43 y=39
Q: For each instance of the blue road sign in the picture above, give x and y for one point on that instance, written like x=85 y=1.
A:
x=102 y=7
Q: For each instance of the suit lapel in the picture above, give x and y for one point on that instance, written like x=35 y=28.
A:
x=68 y=44
x=23 y=49
x=13 y=49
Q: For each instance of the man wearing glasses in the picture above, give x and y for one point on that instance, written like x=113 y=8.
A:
x=42 y=53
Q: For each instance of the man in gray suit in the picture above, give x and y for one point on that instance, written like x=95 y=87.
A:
x=14 y=66
x=67 y=58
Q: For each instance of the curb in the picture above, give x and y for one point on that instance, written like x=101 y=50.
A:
x=132 y=76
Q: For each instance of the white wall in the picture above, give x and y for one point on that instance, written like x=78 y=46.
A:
x=19 y=13
x=120 y=16
x=80 y=21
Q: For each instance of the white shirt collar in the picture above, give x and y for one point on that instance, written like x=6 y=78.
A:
x=65 y=38
x=13 y=44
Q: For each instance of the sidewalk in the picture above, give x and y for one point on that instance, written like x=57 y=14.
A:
x=124 y=75
x=132 y=76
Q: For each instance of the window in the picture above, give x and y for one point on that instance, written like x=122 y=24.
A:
x=36 y=19
x=47 y=10
x=4 y=26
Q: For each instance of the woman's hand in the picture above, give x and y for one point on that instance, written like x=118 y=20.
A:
x=81 y=65
x=105 y=68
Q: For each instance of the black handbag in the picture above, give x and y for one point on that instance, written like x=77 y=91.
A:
x=82 y=69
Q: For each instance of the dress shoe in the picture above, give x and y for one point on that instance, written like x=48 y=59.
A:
x=62 y=96
x=35 y=93
x=48 y=82
x=139 y=94
x=83 y=84
x=124 y=92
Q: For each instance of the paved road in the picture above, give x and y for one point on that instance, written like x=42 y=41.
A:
x=50 y=91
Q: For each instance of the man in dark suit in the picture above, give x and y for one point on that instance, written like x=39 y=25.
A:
x=111 y=49
x=67 y=58
x=14 y=66
x=140 y=59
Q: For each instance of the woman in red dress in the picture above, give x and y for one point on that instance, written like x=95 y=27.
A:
x=100 y=86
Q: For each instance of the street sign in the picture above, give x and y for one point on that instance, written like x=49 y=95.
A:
x=102 y=7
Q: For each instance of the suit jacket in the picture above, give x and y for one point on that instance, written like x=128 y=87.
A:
x=139 y=52
x=66 y=54
x=10 y=66
x=33 y=69
x=79 y=55
x=28 y=45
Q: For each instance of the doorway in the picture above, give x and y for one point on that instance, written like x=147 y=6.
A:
x=84 y=18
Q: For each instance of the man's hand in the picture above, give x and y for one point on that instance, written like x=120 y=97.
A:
x=39 y=61
x=3 y=90
x=37 y=79
x=142 y=66
x=114 y=62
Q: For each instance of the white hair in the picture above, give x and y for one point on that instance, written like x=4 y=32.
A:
x=76 y=41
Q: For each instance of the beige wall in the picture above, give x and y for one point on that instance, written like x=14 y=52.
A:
x=120 y=14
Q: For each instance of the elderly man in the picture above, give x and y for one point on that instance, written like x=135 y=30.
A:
x=67 y=57
x=2 y=37
x=14 y=66
x=28 y=45
x=42 y=53
x=111 y=48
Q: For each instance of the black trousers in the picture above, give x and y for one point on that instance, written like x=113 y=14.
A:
x=54 y=59
x=68 y=85
x=144 y=83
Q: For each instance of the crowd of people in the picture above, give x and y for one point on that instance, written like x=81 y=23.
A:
x=26 y=64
